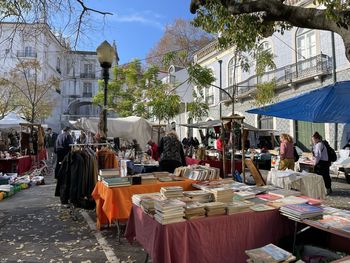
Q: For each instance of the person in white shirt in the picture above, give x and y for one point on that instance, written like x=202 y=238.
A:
x=321 y=160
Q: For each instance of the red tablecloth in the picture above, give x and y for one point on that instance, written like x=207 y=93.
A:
x=212 y=239
x=115 y=203
x=20 y=165
x=217 y=164
x=24 y=164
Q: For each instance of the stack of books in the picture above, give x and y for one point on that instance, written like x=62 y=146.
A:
x=199 y=196
x=108 y=173
x=165 y=179
x=261 y=207
x=243 y=195
x=169 y=211
x=238 y=207
x=147 y=203
x=116 y=181
x=198 y=172
x=194 y=210
x=148 y=179
x=137 y=198
x=169 y=192
x=215 y=208
x=299 y=212
x=289 y=200
x=222 y=194
x=269 y=254
x=284 y=193
x=161 y=174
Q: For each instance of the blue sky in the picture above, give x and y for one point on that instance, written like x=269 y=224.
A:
x=136 y=25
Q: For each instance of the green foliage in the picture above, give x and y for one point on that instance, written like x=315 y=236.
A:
x=197 y=109
x=265 y=93
x=139 y=92
x=199 y=76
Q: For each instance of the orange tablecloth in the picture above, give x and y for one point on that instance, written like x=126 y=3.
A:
x=115 y=203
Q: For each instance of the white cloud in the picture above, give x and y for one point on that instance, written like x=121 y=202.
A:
x=146 y=17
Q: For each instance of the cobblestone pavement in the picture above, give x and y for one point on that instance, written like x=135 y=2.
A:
x=35 y=228
x=340 y=197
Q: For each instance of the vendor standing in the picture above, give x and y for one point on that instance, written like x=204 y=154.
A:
x=321 y=160
x=286 y=152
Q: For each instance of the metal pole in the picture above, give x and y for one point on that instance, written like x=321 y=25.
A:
x=105 y=78
x=334 y=75
x=222 y=125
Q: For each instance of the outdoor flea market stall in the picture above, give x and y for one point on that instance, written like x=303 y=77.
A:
x=21 y=150
x=12 y=160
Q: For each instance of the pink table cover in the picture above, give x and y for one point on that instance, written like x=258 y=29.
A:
x=213 y=239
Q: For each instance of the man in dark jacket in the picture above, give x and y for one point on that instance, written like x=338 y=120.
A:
x=62 y=147
x=50 y=140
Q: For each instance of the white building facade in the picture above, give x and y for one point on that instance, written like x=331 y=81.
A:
x=304 y=61
x=78 y=71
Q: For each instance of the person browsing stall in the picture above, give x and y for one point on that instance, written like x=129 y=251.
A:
x=321 y=160
x=171 y=152
x=286 y=152
x=154 y=150
x=62 y=147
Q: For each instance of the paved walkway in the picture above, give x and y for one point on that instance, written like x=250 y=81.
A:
x=34 y=228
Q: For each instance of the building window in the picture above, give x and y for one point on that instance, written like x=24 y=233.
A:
x=306 y=48
x=87 y=90
x=233 y=76
x=172 y=79
x=88 y=71
x=87 y=68
x=265 y=122
x=58 y=65
x=209 y=93
x=265 y=47
x=28 y=51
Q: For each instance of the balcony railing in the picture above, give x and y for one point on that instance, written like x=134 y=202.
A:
x=26 y=54
x=86 y=75
x=306 y=69
x=208 y=49
x=87 y=95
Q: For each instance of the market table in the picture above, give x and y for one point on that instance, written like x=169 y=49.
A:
x=212 y=239
x=18 y=165
x=115 y=203
x=308 y=184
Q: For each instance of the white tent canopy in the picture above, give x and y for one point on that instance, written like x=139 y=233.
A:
x=11 y=120
x=127 y=128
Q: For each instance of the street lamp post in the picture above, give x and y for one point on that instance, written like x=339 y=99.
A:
x=105 y=55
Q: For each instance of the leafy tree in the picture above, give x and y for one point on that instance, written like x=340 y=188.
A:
x=6 y=99
x=32 y=95
x=134 y=91
x=242 y=23
x=180 y=36
x=197 y=108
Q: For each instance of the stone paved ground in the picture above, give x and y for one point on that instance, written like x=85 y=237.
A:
x=34 y=228
x=340 y=197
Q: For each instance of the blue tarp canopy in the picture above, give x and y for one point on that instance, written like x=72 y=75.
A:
x=330 y=104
